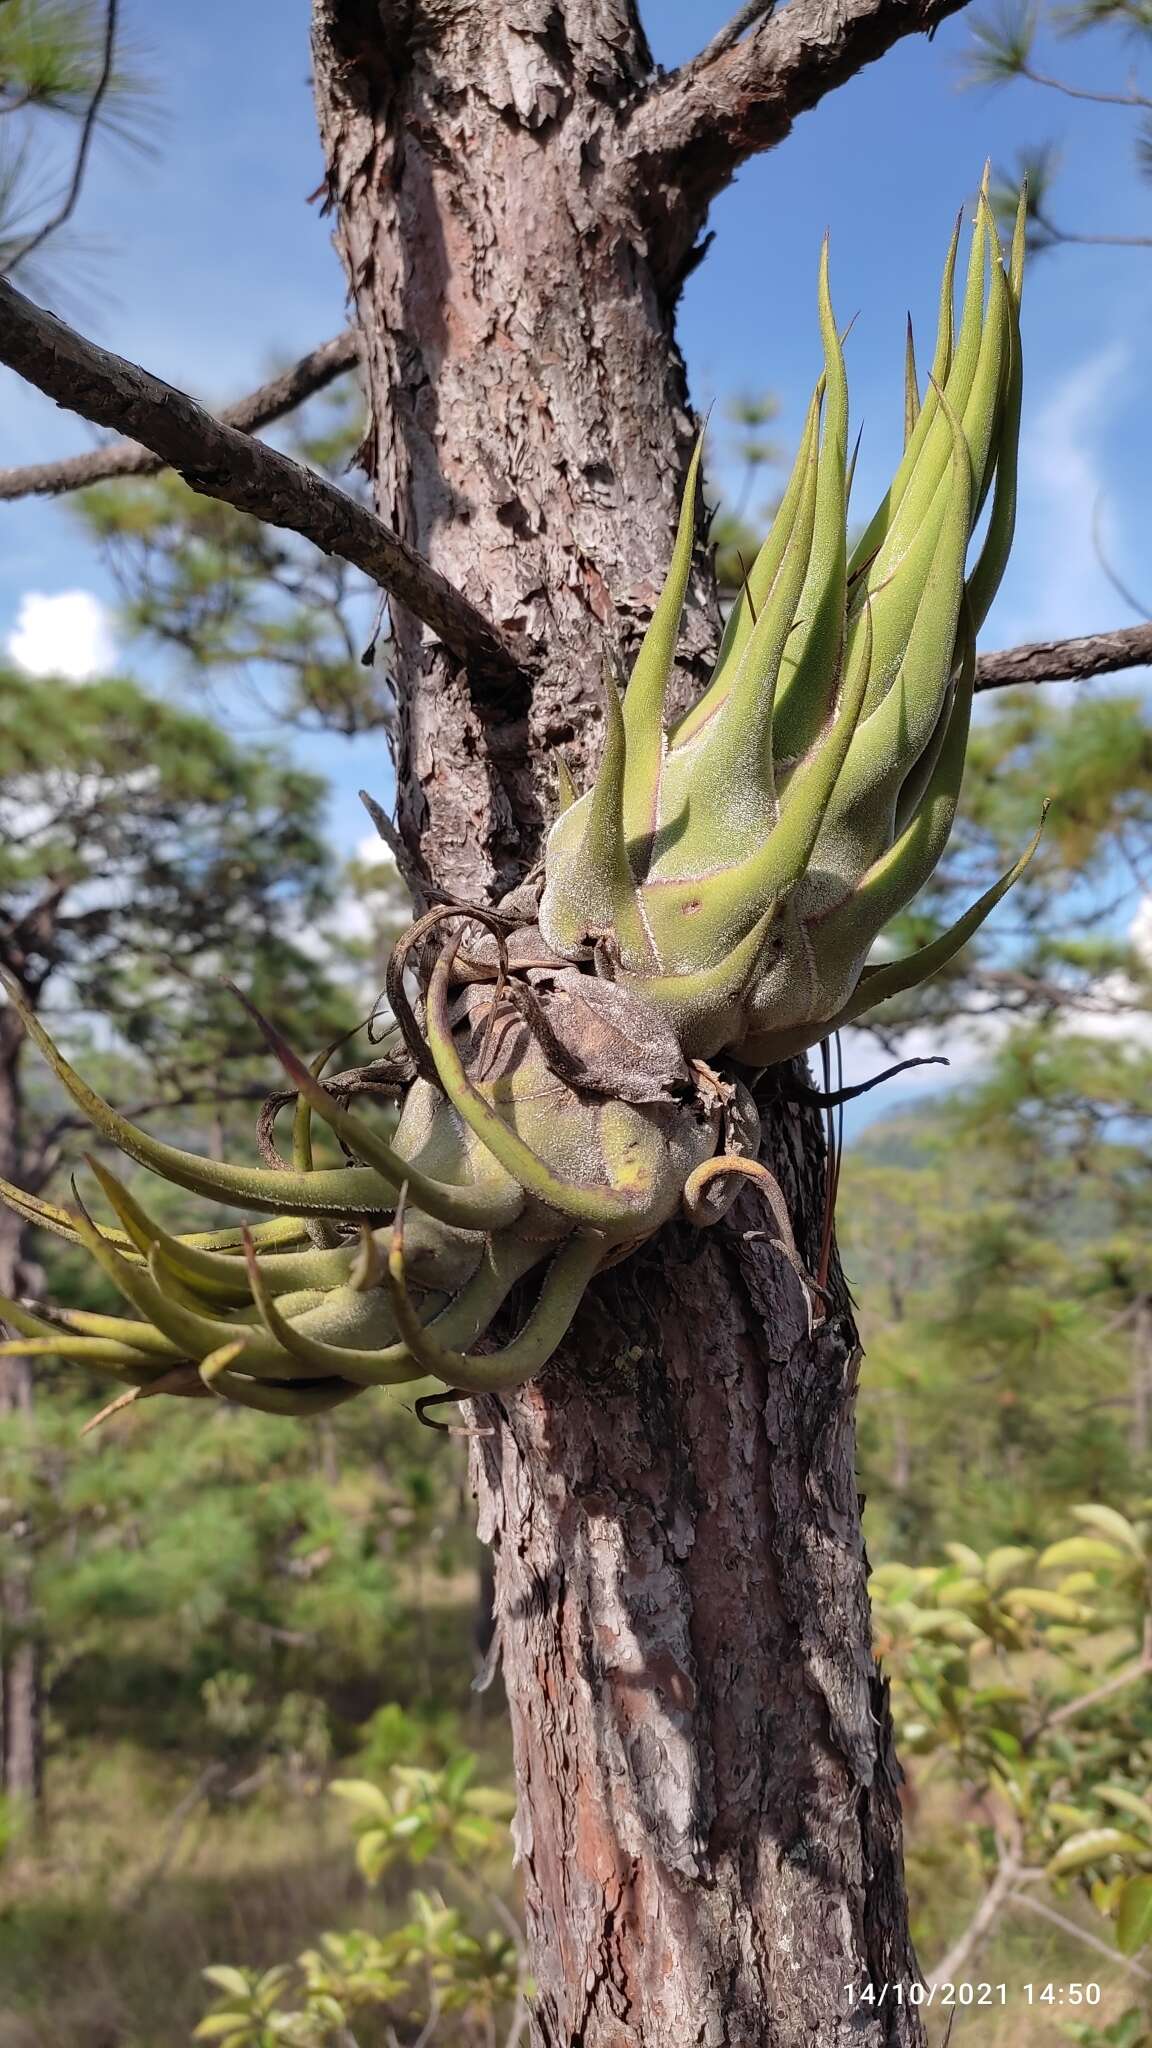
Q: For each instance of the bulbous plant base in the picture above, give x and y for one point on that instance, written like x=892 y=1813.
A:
x=713 y=897
x=546 y=1123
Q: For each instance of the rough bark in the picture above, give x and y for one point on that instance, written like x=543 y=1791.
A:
x=1057 y=661
x=688 y=140
x=708 y=1827
x=529 y=417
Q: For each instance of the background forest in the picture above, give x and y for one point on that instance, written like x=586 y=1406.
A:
x=252 y=1723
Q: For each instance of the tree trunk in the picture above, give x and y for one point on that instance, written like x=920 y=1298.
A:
x=21 y=1749
x=708 y=1825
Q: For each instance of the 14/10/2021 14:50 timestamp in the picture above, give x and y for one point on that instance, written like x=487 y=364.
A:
x=963 y=1993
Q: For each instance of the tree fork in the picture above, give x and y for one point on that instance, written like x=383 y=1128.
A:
x=708 y=1825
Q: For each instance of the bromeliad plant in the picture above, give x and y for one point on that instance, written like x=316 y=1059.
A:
x=571 y=1082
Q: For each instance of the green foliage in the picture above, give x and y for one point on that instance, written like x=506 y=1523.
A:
x=1001 y=44
x=162 y=846
x=51 y=53
x=438 y=1958
x=61 y=59
x=1022 y=1680
x=422 y=1813
x=1020 y=1693
x=826 y=755
x=1020 y=40
x=1131 y=2030
x=241 y=1578
x=1001 y=1247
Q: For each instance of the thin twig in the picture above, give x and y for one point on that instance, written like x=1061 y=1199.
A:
x=1088 y=241
x=1080 y=92
x=269 y=402
x=1142 y=611
x=173 y=1836
x=520 y=2018
x=983 y=1919
x=67 y=205
x=430 y=2024
x=221 y=462
x=1081 y=1934
x=1071 y=1709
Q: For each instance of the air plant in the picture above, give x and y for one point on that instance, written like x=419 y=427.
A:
x=569 y=1077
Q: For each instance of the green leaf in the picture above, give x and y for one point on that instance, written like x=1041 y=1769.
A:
x=489 y=1800
x=1104 y=1893
x=1126 y=1802
x=238 y=1983
x=459 y=1774
x=1079 y=1852
x=1134 y=1916
x=1052 y=1606
x=374 y=1852
x=1111 y=1524
x=1069 y=1816
x=363 y=1793
x=1000 y=1565
x=1079 y=1550
x=408 y=1824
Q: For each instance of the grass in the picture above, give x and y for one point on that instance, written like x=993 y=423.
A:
x=96 y=1952
x=100 y=1949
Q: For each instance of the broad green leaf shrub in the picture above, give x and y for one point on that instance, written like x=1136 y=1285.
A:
x=442 y=1964
x=1022 y=1683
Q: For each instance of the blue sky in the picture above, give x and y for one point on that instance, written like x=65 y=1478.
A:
x=209 y=265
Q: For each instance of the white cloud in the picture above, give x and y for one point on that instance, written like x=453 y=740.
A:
x=965 y=1042
x=66 y=634
x=1122 y=1012
x=1140 y=932
x=1063 y=478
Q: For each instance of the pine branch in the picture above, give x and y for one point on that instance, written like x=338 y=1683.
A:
x=687 y=138
x=221 y=462
x=1058 y=661
x=1052 y=234
x=1081 y=92
x=67 y=206
x=269 y=402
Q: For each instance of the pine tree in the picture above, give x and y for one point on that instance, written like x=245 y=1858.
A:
x=708 y=1823
x=142 y=854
